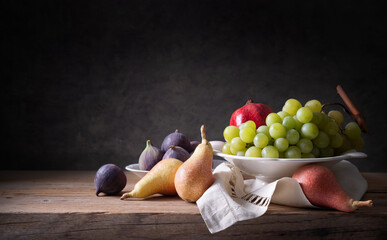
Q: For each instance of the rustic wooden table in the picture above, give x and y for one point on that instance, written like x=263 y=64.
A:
x=62 y=204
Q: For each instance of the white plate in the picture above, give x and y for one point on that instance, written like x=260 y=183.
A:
x=134 y=168
x=270 y=169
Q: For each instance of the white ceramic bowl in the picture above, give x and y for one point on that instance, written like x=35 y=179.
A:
x=270 y=169
x=134 y=168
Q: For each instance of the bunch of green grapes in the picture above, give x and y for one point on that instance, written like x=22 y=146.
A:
x=295 y=132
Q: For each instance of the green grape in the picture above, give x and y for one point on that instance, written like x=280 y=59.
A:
x=315 y=151
x=273 y=118
x=281 y=144
x=331 y=127
x=358 y=143
x=314 y=105
x=277 y=130
x=289 y=122
x=270 y=152
x=233 y=151
x=291 y=106
x=264 y=129
x=293 y=152
x=337 y=116
x=307 y=155
x=226 y=148
x=305 y=145
x=336 y=140
x=298 y=124
x=243 y=126
x=237 y=144
x=323 y=121
x=253 y=152
x=317 y=116
x=283 y=114
x=345 y=146
x=322 y=140
x=281 y=154
x=309 y=130
x=249 y=123
x=327 y=152
x=241 y=153
x=352 y=130
x=247 y=134
x=261 y=140
x=304 y=115
x=230 y=132
x=292 y=136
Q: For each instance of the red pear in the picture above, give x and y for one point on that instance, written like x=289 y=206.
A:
x=320 y=186
x=256 y=112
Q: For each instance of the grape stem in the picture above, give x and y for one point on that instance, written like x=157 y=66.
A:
x=353 y=112
x=336 y=103
x=323 y=109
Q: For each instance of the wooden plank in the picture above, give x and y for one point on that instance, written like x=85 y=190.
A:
x=74 y=192
x=377 y=182
x=54 y=205
x=183 y=226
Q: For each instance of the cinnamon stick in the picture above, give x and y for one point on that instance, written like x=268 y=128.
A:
x=356 y=114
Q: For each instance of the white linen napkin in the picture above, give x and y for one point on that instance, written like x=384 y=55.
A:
x=231 y=198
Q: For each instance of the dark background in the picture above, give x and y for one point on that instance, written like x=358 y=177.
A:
x=86 y=83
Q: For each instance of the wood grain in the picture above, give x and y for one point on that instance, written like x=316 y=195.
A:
x=56 y=205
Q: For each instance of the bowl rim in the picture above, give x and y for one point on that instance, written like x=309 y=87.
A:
x=134 y=167
x=346 y=155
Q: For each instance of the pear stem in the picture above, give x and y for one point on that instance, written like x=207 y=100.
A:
x=367 y=203
x=203 y=133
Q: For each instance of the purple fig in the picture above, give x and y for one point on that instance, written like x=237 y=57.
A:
x=149 y=156
x=194 y=144
x=177 y=152
x=176 y=139
x=109 y=179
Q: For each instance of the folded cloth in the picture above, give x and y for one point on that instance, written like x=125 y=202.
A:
x=231 y=198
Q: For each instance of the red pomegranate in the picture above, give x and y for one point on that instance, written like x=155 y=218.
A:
x=256 y=112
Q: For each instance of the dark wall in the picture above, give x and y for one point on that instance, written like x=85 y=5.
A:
x=87 y=83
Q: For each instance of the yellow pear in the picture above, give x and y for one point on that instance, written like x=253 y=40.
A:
x=194 y=176
x=160 y=179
